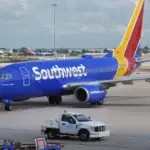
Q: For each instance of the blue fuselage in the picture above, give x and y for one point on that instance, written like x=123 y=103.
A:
x=42 y=78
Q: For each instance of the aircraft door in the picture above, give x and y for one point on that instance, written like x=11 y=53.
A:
x=25 y=75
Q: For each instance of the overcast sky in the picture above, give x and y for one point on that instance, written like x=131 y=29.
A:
x=79 y=23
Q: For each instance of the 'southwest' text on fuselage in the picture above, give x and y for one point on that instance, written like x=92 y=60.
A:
x=59 y=72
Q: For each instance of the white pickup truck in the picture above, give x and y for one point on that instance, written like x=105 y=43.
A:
x=74 y=124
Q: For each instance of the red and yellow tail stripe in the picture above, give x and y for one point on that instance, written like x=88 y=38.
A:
x=127 y=48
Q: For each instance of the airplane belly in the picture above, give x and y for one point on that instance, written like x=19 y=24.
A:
x=50 y=86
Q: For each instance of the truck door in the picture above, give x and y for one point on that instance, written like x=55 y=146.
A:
x=67 y=124
x=25 y=76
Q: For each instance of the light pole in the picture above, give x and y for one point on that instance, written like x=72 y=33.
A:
x=54 y=5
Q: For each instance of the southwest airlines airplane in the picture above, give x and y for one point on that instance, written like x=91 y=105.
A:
x=87 y=78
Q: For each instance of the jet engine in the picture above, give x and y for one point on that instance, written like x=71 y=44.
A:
x=90 y=93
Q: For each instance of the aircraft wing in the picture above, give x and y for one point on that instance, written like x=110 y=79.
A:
x=107 y=83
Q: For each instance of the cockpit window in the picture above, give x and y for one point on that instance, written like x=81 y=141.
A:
x=5 y=76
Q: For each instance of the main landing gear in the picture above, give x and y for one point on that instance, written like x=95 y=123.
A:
x=55 y=99
x=98 y=103
x=7 y=103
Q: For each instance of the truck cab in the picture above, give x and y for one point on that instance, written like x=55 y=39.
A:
x=75 y=124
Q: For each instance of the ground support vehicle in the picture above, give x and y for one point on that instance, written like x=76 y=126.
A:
x=74 y=124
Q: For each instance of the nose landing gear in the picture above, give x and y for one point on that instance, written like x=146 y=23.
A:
x=8 y=104
x=8 y=107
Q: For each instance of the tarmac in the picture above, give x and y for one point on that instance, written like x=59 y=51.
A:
x=126 y=110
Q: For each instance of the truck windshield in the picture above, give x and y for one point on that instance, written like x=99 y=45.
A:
x=81 y=118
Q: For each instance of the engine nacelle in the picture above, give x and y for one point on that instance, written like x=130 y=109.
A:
x=90 y=93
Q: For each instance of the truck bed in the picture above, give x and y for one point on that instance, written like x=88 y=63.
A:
x=50 y=124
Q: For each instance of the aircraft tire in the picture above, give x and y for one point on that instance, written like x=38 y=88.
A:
x=97 y=103
x=94 y=103
x=55 y=99
x=51 y=101
x=100 y=103
x=8 y=107
x=58 y=100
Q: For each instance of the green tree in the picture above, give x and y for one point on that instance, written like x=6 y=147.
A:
x=15 y=50
x=84 y=51
x=145 y=50
x=146 y=47
x=106 y=50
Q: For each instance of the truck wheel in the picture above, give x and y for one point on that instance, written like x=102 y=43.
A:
x=84 y=135
x=51 y=134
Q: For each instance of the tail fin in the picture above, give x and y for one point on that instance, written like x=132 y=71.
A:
x=129 y=46
x=30 y=52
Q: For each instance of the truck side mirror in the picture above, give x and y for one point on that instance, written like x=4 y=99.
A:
x=89 y=118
